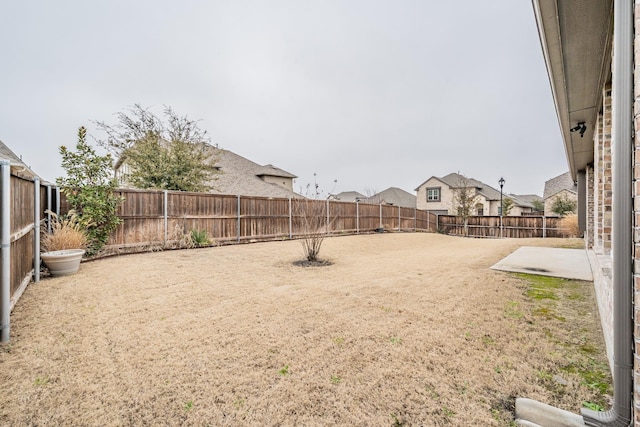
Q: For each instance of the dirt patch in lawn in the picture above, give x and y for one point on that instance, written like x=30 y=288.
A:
x=400 y=329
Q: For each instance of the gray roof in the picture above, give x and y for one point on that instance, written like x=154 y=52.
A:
x=455 y=180
x=241 y=176
x=270 y=170
x=393 y=196
x=525 y=199
x=559 y=183
x=348 y=196
x=17 y=165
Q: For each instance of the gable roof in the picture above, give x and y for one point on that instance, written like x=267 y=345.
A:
x=241 y=176
x=394 y=196
x=525 y=199
x=559 y=183
x=348 y=196
x=454 y=181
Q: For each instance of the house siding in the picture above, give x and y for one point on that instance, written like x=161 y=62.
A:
x=446 y=196
x=279 y=180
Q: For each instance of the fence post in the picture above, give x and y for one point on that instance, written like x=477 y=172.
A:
x=327 y=226
x=48 y=208
x=544 y=226
x=290 y=220
x=238 y=226
x=398 y=218
x=357 y=217
x=165 y=214
x=5 y=247
x=415 y=220
x=57 y=200
x=36 y=230
x=381 y=215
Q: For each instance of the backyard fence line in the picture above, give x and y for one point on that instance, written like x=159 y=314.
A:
x=510 y=227
x=160 y=217
x=23 y=204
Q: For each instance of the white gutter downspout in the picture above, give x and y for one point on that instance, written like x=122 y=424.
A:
x=530 y=412
x=5 y=249
x=622 y=146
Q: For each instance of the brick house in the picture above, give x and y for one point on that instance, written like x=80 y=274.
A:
x=437 y=195
x=589 y=48
x=562 y=186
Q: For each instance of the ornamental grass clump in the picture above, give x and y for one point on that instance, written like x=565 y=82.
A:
x=67 y=232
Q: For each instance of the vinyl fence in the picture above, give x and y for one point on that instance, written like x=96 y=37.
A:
x=511 y=226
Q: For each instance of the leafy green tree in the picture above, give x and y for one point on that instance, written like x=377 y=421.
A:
x=89 y=187
x=538 y=205
x=173 y=154
x=507 y=205
x=563 y=205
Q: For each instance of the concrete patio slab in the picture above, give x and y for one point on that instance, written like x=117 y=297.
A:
x=555 y=262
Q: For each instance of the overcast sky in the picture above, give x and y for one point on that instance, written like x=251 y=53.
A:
x=371 y=93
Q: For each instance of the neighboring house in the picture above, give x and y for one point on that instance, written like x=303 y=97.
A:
x=18 y=167
x=241 y=176
x=437 y=195
x=530 y=199
x=392 y=196
x=591 y=53
x=347 y=196
x=562 y=186
x=238 y=176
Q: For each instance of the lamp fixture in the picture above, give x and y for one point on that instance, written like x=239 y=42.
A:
x=580 y=127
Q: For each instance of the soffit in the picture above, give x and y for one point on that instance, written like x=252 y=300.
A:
x=576 y=43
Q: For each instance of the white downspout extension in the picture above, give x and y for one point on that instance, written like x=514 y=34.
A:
x=5 y=249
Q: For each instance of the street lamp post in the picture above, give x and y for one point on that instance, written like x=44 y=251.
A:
x=501 y=182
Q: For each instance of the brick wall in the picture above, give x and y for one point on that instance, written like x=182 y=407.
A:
x=605 y=183
x=589 y=231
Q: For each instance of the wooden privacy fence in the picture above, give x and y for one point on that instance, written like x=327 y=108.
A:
x=512 y=226
x=153 y=217
x=23 y=203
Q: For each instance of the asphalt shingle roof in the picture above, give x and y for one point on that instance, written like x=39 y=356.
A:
x=241 y=176
x=559 y=183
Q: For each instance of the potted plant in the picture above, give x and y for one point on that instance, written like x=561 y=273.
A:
x=65 y=245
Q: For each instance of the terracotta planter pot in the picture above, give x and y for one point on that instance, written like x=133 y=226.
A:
x=63 y=263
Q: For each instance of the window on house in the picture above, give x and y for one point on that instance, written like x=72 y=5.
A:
x=433 y=194
x=480 y=209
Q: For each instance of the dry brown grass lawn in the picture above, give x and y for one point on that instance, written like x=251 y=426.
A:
x=402 y=329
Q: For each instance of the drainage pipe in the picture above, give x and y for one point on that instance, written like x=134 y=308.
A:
x=620 y=413
x=5 y=249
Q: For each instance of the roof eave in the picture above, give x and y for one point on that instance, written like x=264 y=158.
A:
x=576 y=43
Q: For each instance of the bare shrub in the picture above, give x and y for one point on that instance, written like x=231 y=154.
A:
x=570 y=227
x=179 y=239
x=66 y=233
x=314 y=225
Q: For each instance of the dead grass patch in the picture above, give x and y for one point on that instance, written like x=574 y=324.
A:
x=402 y=329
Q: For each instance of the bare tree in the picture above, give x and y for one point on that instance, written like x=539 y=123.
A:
x=464 y=201
x=314 y=223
